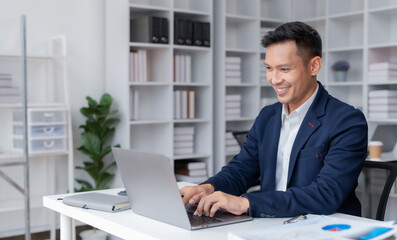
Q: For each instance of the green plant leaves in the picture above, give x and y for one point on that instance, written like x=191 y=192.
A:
x=98 y=130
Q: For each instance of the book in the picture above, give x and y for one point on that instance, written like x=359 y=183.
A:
x=5 y=83
x=230 y=73
x=9 y=91
x=382 y=66
x=183 y=137
x=382 y=108
x=192 y=173
x=182 y=144
x=382 y=114
x=233 y=97
x=233 y=104
x=206 y=34
x=197 y=34
x=98 y=201
x=184 y=105
x=190 y=165
x=196 y=179
x=164 y=30
x=134 y=99
x=10 y=98
x=233 y=148
x=191 y=103
x=382 y=101
x=382 y=93
x=183 y=150
x=183 y=130
x=234 y=60
x=145 y=29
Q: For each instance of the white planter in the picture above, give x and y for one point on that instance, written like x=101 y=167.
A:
x=340 y=76
x=93 y=234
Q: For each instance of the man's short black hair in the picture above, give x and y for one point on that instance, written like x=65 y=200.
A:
x=307 y=39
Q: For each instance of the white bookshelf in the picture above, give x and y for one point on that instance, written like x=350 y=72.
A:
x=153 y=130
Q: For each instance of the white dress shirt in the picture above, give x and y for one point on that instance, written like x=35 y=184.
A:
x=290 y=125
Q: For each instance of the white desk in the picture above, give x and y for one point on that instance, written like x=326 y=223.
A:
x=128 y=225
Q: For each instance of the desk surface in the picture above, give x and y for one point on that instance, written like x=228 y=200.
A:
x=128 y=225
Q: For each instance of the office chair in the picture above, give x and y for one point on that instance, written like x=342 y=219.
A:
x=392 y=168
x=241 y=136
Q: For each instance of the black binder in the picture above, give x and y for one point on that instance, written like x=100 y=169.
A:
x=206 y=34
x=197 y=34
x=145 y=29
x=189 y=33
x=180 y=31
x=163 y=30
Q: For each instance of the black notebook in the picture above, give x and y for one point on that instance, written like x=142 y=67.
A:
x=98 y=201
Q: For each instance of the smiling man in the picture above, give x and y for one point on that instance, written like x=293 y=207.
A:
x=307 y=149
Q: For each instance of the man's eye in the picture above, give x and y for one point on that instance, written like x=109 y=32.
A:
x=268 y=69
x=285 y=69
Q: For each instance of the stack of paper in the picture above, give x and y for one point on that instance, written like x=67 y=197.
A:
x=183 y=140
x=233 y=70
x=8 y=94
x=382 y=104
x=382 y=71
x=233 y=106
x=192 y=171
x=182 y=68
x=232 y=146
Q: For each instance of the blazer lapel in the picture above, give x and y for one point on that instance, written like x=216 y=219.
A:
x=309 y=125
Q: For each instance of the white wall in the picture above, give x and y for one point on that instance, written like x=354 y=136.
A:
x=82 y=22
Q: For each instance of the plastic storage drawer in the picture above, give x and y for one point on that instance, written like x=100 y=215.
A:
x=42 y=145
x=41 y=131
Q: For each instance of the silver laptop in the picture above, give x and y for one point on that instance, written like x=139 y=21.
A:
x=149 y=178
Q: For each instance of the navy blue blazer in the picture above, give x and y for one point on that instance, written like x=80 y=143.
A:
x=326 y=160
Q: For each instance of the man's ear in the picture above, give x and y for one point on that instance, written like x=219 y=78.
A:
x=315 y=65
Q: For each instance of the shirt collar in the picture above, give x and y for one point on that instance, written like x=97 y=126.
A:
x=301 y=110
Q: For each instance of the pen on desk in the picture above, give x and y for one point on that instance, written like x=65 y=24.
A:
x=295 y=219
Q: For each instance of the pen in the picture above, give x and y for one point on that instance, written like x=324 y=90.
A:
x=295 y=219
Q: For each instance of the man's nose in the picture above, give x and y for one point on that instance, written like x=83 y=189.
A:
x=275 y=77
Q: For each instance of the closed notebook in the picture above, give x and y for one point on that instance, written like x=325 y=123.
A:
x=98 y=201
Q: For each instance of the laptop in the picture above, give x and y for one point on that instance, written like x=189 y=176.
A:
x=153 y=192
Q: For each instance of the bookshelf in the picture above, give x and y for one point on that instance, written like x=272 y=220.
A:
x=49 y=136
x=150 y=122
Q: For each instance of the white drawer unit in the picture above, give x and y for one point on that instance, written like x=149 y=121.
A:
x=47 y=130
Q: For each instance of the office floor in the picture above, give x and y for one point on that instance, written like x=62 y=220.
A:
x=46 y=235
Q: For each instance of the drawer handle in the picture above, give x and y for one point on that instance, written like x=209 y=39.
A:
x=49 y=144
x=48 y=114
x=48 y=129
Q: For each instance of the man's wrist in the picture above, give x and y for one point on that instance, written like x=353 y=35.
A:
x=245 y=204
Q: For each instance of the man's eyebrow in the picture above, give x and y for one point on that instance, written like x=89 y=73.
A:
x=280 y=65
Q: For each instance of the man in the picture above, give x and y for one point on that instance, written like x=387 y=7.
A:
x=307 y=149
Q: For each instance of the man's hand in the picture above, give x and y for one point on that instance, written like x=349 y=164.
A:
x=193 y=194
x=220 y=200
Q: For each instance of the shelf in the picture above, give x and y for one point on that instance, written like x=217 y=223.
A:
x=382 y=120
x=347 y=16
x=241 y=50
x=382 y=45
x=383 y=83
x=19 y=155
x=149 y=45
x=146 y=122
x=191 y=156
x=192 y=84
x=149 y=84
x=31 y=105
x=11 y=205
x=242 y=119
x=191 y=12
x=191 y=48
x=36 y=57
x=389 y=10
x=343 y=84
x=195 y=120
x=235 y=18
x=345 y=49
x=148 y=7
x=241 y=84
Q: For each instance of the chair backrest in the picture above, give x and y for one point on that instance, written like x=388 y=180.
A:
x=392 y=168
x=240 y=136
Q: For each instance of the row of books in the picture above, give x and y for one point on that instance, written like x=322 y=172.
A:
x=233 y=106
x=233 y=70
x=231 y=143
x=138 y=66
x=382 y=104
x=184 y=104
x=183 y=140
x=182 y=68
x=8 y=93
x=382 y=71
x=187 y=32
x=149 y=29
x=192 y=171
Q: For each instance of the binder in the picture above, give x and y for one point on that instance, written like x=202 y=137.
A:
x=145 y=29
x=164 y=30
x=197 y=33
x=98 y=201
x=189 y=33
x=180 y=31
x=206 y=34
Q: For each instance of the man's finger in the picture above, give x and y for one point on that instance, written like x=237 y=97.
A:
x=215 y=208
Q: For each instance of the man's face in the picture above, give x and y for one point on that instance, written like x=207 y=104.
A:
x=288 y=75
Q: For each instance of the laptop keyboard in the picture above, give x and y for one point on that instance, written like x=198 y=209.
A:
x=203 y=220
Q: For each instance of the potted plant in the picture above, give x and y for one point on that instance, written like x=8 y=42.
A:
x=97 y=132
x=340 y=69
